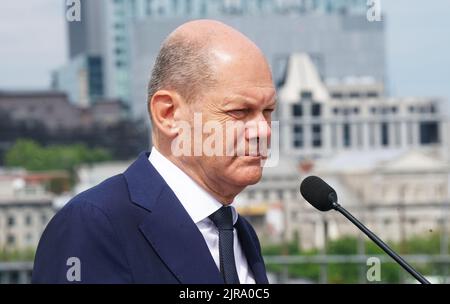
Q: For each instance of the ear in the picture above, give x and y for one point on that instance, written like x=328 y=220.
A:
x=163 y=107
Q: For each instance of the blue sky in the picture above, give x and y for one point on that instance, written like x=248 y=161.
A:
x=418 y=47
x=33 y=43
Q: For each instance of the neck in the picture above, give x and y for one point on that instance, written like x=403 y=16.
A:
x=224 y=194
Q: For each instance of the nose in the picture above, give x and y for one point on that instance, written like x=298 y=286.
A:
x=259 y=127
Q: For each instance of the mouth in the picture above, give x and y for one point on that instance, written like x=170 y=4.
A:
x=255 y=157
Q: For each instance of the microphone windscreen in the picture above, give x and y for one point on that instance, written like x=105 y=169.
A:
x=318 y=193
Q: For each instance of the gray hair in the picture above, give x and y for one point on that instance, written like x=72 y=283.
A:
x=182 y=65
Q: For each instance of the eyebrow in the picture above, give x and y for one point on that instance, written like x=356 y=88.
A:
x=247 y=100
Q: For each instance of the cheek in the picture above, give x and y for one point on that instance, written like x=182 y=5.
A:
x=242 y=171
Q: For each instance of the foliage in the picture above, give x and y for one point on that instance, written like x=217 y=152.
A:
x=34 y=157
x=352 y=272
x=17 y=255
x=123 y=139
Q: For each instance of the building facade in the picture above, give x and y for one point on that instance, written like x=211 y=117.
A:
x=53 y=110
x=387 y=158
x=129 y=33
x=25 y=209
x=81 y=79
x=320 y=119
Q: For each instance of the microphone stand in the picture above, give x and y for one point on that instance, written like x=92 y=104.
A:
x=381 y=244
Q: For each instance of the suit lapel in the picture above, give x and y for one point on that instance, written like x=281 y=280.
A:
x=252 y=253
x=168 y=227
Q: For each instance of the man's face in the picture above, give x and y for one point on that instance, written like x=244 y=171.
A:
x=244 y=95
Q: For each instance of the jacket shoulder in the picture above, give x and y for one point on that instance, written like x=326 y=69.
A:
x=111 y=190
x=82 y=232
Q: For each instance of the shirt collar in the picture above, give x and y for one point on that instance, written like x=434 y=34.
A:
x=198 y=203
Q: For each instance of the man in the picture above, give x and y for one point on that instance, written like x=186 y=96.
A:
x=167 y=218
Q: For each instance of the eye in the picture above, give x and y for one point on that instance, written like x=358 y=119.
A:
x=268 y=111
x=238 y=114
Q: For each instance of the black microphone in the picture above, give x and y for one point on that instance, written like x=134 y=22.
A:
x=319 y=194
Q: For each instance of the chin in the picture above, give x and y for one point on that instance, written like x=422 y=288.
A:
x=248 y=176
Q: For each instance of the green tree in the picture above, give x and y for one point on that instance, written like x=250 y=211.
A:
x=32 y=156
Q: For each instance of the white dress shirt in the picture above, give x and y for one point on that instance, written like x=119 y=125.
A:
x=199 y=204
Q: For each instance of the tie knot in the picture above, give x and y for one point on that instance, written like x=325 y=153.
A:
x=223 y=218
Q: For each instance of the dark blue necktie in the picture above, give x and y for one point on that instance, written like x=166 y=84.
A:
x=223 y=218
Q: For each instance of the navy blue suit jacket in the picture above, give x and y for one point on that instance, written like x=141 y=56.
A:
x=131 y=228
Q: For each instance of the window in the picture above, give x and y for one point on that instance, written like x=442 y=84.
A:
x=429 y=133
x=120 y=63
x=306 y=95
x=355 y=95
x=28 y=220
x=384 y=134
x=148 y=5
x=316 y=135
x=297 y=110
x=316 y=109
x=412 y=221
x=280 y=194
x=372 y=94
x=298 y=136
x=433 y=108
x=11 y=221
x=336 y=95
x=346 y=135
x=119 y=26
x=11 y=239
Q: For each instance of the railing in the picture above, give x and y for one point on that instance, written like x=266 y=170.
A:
x=15 y=272
x=324 y=260
x=20 y=272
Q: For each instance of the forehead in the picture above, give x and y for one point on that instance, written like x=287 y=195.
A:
x=241 y=67
x=242 y=73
